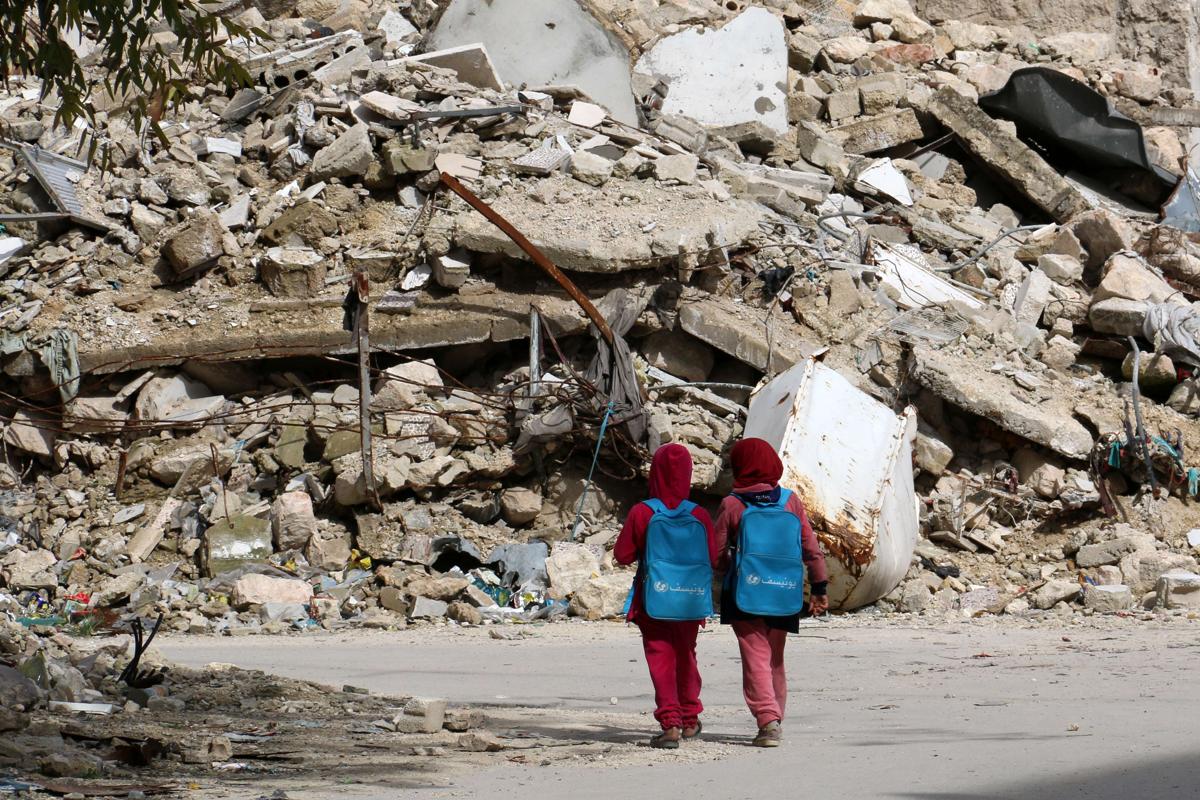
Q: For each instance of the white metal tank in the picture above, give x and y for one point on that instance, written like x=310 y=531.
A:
x=849 y=457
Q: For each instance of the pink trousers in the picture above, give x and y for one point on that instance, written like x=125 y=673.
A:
x=763 y=680
x=671 y=655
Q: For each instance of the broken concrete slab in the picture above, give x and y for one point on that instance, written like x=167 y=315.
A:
x=904 y=269
x=931 y=453
x=739 y=331
x=32 y=433
x=401 y=156
x=997 y=146
x=307 y=221
x=472 y=62
x=679 y=354
x=1110 y=552
x=544 y=43
x=766 y=184
x=176 y=398
x=390 y=106
x=727 y=76
x=1141 y=570
x=1033 y=297
x=1102 y=233
x=395 y=26
x=253 y=590
x=570 y=566
x=424 y=608
x=988 y=394
x=880 y=132
x=846 y=49
x=328 y=550
x=339 y=71
x=459 y=165
x=403 y=385
x=1061 y=268
x=679 y=169
x=29 y=570
x=586 y=115
x=1119 y=316
x=150 y=535
x=314 y=327
x=686 y=221
x=195 y=246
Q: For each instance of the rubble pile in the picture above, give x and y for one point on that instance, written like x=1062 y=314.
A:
x=196 y=337
x=70 y=717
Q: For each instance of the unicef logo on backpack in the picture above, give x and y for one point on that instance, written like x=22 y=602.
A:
x=753 y=580
x=661 y=586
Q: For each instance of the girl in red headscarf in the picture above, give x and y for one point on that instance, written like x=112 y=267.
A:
x=756 y=474
x=670 y=646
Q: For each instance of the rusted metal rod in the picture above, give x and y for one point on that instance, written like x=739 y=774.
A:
x=538 y=256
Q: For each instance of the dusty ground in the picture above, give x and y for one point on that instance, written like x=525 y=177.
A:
x=940 y=710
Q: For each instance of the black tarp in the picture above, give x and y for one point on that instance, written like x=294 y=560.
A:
x=1079 y=130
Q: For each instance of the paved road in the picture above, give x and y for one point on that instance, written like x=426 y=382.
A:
x=956 y=711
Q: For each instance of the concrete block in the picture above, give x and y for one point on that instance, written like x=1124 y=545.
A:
x=1108 y=599
x=293 y=271
x=1178 y=589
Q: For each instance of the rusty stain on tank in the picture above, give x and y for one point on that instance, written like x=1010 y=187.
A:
x=841 y=535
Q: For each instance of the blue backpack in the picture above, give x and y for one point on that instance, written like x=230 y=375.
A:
x=675 y=570
x=770 y=560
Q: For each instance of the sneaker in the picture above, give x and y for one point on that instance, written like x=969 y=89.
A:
x=667 y=740
x=769 y=735
x=693 y=731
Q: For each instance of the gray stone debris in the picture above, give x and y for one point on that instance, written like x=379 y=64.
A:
x=1108 y=599
x=1053 y=592
x=710 y=182
x=1178 y=589
x=350 y=155
x=195 y=246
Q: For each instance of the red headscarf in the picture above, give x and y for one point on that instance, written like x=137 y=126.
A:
x=754 y=462
x=671 y=474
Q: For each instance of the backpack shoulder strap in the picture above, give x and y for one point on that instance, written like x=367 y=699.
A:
x=784 y=496
x=684 y=508
x=655 y=505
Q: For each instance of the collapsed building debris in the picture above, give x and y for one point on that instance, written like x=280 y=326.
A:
x=298 y=379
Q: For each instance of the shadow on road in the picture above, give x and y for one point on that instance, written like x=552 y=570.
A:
x=597 y=732
x=1174 y=777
